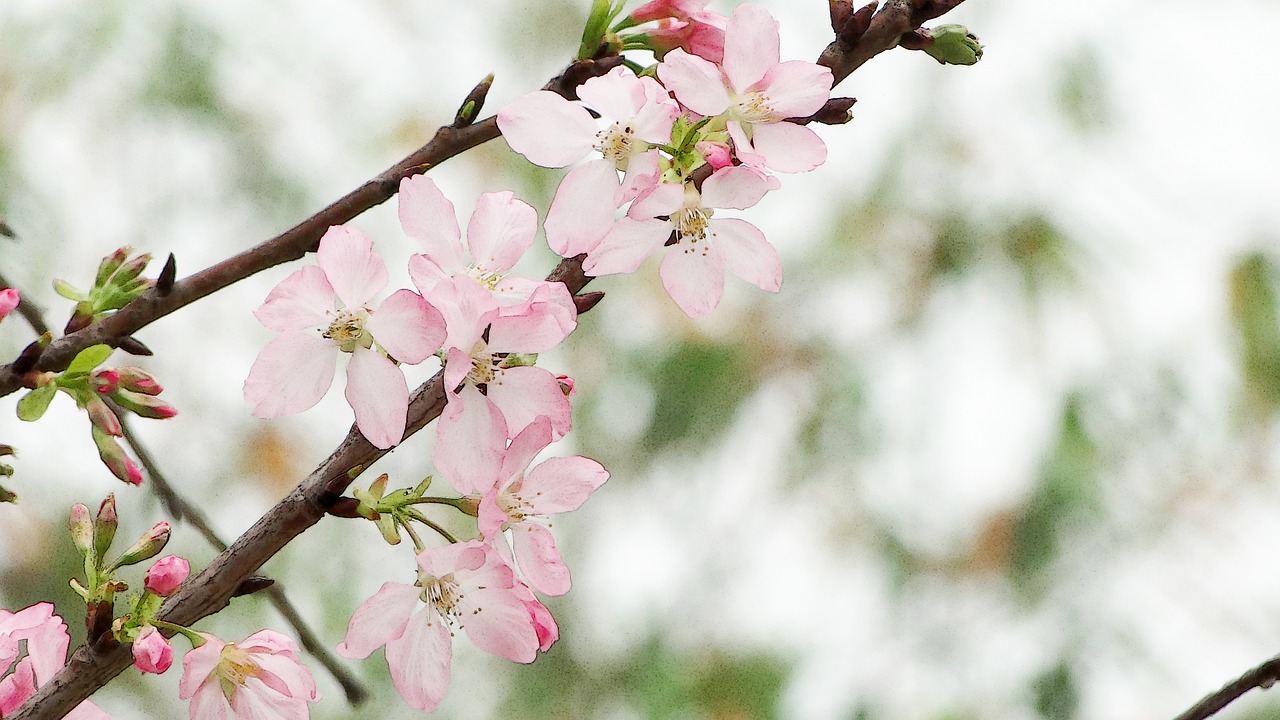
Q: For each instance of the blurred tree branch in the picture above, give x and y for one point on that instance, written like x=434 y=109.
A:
x=1263 y=676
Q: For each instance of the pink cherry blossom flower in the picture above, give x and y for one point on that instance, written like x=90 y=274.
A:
x=9 y=300
x=45 y=638
x=523 y=498
x=325 y=309
x=260 y=678
x=461 y=586
x=492 y=351
x=682 y=24
x=693 y=268
x=755 y=93
x=637 y=114
x=166 y=574
x=152 y=652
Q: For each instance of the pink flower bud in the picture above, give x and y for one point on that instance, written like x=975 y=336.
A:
x=81 y=528
x=102 y=417
x=167 y=574
x=717 y=154
x=8 y=301
x=566 y=385
x=152 y=653
x=105 y=380
x=139 y=381
x=147 y=546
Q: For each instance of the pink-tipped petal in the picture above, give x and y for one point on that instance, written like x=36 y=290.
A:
x=797 y=88
x=354 y=270
x=524 y=447
x=583 y=209
x=561 y=484
x=539 y=559
x=467 y=309
x=427 y=216
x=748 y=254
x=501 y=229
x=737 y=188
x=379 y=620
x=470 y=438
x=627 y=246
x=696 y=83
x=426 y=273
x=789 y=148
x=420 y=660
x=291 y=374
x=750 y=46
x=377 y=392
x=525 y=393
x=694 y=278
x=547 y=129
x=545 y=320
x=407 y=327
x=503 y=627
x=300 y=301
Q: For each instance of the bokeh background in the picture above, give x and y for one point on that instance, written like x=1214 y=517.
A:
x=1002 y=447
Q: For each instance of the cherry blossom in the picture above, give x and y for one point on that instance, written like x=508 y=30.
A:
x=45 y=638
x=325 y=309
x=523 y=498
x=260 y=678
x=755 y=93
x=152 y=652
x=9 y=300
x=693 y=268
x=637 y=114
x=461 y=586
x=682 y=24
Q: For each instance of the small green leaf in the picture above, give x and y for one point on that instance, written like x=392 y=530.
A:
x=64 y=288
x=88 y=359
x=32 y=405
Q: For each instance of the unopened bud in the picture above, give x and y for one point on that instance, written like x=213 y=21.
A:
x=104 y=527
x=139 y=381
x=105 y=381
x=566 y=385
x=146 y=406
x=954 y=45
x=167 y=574
x=110 y=264
x=113 y=456
x=147 y=546
x=81 y=525
x=125 y=276
x=102 y=416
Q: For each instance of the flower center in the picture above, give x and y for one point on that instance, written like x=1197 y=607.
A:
x=444 y=594
x=616 y=142
x=511 y=503
x=347 y=329
x=754 y=107
x=488 y=279
x=235 y=667
x=691 y=224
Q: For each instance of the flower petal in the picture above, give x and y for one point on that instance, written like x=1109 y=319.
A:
x=503 y=627
x=354 y=270
x=427 y=216
x=748 y=254
x=696 y=83
x=302 y=300
x=291 y=374
x=561 y=484
x=501 y=229
x=407 y=326
x=539 y=559
x=797 y=88
x=379 y=620
x=750 y=46
x=694 y=278
x=547 y=129
x=736 y=188
x=525 y=393
x=543 y=322
x=582 y=211
x=470 y=438
x=377 y=392
x=627 y=246
x=789 y=148
x=419 y=660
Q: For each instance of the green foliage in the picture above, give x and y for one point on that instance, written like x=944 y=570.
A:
x=1057 y=696
x=33 y=405
x=1082 y=92
x=1065 y=497
x=699 y=388
x=1254 y=311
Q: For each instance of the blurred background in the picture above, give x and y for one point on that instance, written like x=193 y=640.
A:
x=1002 y=447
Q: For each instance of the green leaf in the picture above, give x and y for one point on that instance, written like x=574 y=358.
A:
x=64 y=288
x=32 y=405
x=88 y=359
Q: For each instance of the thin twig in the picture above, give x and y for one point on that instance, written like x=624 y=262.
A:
x=181 y=509
x=1263 y=676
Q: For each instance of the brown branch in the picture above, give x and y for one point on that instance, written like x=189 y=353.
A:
x=887 y=26
x=1263 y=677
x=182 y=510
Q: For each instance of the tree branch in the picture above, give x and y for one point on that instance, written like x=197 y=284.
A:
x=1263 y=676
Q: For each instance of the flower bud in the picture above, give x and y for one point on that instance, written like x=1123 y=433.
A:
x=104 y=527
x=110 y=264
x=954 y=45
x=147 y=546
x=102 y=416
x=139 y=381
x=146 y=406
x=81 y=528
x=167 y=574
x=152 y=652
x=566 y=385
x=112 y=455
x=9 y=300
x=105 y=381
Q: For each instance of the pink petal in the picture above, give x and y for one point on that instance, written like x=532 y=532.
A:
x=789 y=148
x=17 y=687
x=502 y=627
x=377 y=392
x=490 y=518
x=547 y=129
x=501 y=229
x=661 y=199
x=539 y=558
x=419 y=660
x=152 y=653
x=208 y=702
x=379 y=620
x=463 y=559
x=425 y=273
x=427 y=216
x=354 y=270
x=695 y=82
x=737 y=188
x=407 y=327
x=750 y=46
x=627 y=246
x=198 y=664
x=291 y=374
x=748 y=254
x=524 y=447
x=302 y=300
x=797 y=88
x=9 y=299
x=561 y=484
x=583 y=208
x=457 y=365
x=467 y=309
x=653 y=121
x=642 y=176
x=525 y=393
x=470 y=438
x=617 y=95
x=545 y=320
x=694 y=277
